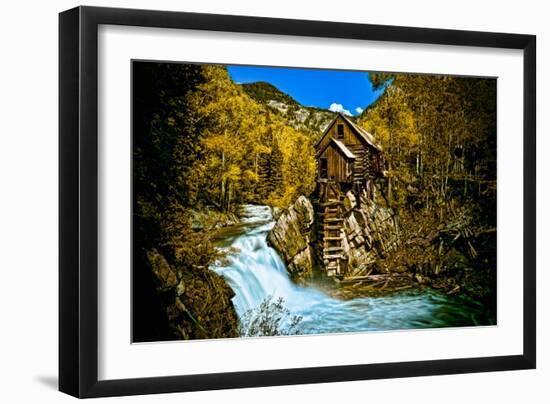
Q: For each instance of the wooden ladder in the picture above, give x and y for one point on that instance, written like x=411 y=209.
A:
x=333 y=252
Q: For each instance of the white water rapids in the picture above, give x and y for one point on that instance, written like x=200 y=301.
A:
x=255 y=271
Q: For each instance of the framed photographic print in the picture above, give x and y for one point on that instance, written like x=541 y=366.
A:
x=251 y=201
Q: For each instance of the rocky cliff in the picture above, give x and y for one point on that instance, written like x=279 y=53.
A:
x=197 y=301
x=292 y=238
x=368 y=232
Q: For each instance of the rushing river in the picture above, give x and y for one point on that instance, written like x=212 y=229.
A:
x=255 y=271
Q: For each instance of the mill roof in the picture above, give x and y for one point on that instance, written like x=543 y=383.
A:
x=347 y=152
x=341 y=147
x=362 y=133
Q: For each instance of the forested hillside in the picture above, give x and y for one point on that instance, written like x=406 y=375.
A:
x=439 y=140
x=249 y=154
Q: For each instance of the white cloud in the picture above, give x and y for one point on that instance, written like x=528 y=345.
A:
x=359 y=110
x=334 y=107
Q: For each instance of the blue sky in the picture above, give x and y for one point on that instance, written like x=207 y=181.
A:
x=337 y=90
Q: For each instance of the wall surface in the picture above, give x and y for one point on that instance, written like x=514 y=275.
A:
x=28 y=202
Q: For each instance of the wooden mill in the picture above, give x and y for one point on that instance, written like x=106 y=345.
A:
x=348 y=158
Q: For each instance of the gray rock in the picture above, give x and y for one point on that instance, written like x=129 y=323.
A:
x=291 y=237
x=301 y=265
x=368 y=231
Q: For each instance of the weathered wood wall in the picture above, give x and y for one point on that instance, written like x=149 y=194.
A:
x=339 y=168
x=350 y=138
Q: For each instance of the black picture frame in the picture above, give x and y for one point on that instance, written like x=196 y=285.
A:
x=78 y=201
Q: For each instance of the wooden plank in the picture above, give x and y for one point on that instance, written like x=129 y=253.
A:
x=332 y=203
x=333 y=256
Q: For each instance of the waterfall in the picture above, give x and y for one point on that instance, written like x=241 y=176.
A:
x=255 y=271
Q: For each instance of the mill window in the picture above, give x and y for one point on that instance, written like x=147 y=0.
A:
x=340 y=131
x=323 y=169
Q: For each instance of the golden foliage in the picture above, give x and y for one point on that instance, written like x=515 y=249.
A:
x=248 y=154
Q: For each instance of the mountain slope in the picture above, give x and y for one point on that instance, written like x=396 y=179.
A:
x=310 y=119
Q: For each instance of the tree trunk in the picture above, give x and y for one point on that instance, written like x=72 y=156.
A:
x=228 y=208
x=222 y=191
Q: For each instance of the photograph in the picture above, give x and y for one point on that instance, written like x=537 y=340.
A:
x=276 y=201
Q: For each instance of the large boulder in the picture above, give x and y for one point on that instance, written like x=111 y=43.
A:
x=291 y=237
